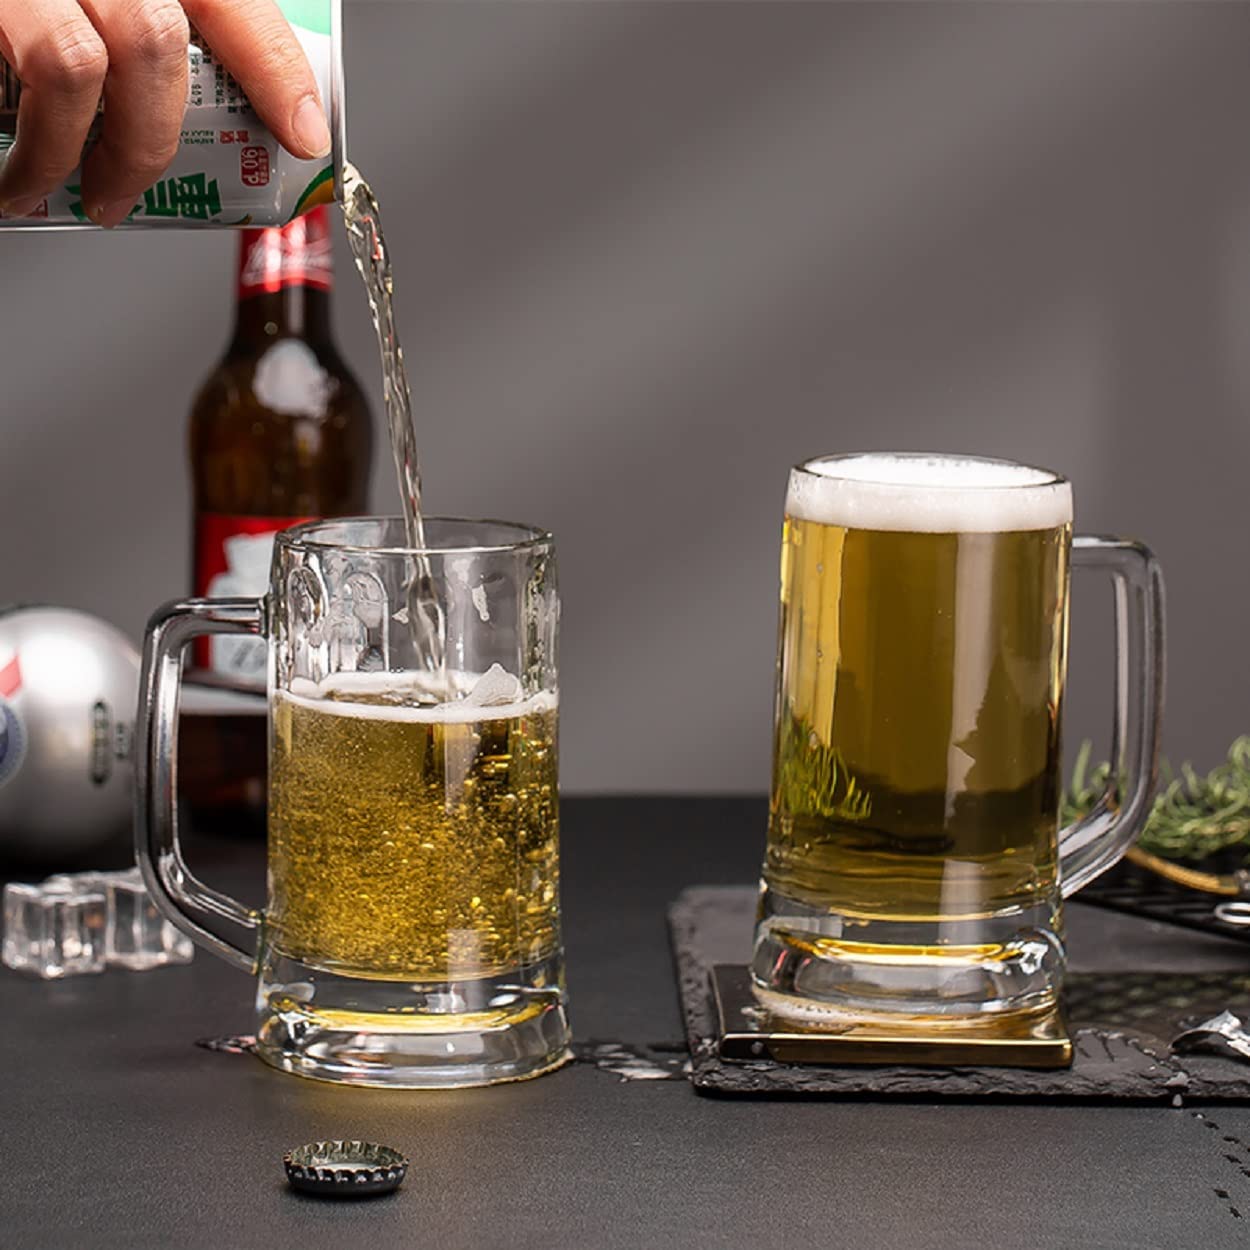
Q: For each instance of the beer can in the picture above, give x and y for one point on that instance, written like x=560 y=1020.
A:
x=229 y=169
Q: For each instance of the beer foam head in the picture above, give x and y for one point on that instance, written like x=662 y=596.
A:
x=928 y=494
x=462 y=699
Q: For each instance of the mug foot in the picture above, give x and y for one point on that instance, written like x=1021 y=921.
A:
x=405 y=1035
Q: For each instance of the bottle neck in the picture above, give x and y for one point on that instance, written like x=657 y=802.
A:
x=294 y=312
x=285 y=278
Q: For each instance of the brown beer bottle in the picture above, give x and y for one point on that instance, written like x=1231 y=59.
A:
x=280 y=431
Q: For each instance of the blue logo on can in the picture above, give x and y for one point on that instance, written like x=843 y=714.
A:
x=12 y=741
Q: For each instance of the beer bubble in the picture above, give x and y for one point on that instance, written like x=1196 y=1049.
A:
x=386 y=860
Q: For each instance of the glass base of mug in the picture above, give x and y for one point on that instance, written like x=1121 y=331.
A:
x=821 y=968
x=408 y=1035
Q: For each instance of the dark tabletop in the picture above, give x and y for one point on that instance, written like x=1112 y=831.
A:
x=117 y=1131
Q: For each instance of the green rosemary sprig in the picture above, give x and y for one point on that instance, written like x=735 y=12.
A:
x=813 y=779
x=1194 y=817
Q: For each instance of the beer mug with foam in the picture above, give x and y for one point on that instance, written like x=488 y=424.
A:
x=915 y=865
x=411 y=935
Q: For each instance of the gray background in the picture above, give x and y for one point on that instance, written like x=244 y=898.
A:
x=650 y=254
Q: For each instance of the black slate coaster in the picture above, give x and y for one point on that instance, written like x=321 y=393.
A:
x=1132 y=987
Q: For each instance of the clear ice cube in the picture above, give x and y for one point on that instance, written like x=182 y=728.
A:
x=137 y=936
x=55 y=930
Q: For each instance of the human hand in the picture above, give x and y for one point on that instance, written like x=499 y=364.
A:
x=66 y=53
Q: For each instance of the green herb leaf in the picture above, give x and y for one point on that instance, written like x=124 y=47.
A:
x=1194 y=817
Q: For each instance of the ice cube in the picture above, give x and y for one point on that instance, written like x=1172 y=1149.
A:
x=137 y=936
x=54 y=930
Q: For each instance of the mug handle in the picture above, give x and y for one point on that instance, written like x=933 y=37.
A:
x=174 y=889
x=1092 y=844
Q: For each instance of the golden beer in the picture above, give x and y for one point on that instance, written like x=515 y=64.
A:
x=916 y=763
x=916 y=756
x=416 y=842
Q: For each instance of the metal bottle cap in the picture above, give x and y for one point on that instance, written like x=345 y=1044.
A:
x=345 y=1169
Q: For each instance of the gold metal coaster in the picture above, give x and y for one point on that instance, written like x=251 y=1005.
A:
x=747 y=1033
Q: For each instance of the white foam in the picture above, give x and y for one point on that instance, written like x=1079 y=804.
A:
x=496 y=688
x=933 y=494
x=339 y=695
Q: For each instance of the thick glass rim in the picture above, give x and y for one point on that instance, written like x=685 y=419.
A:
x=1046 y=477
x=302 y=537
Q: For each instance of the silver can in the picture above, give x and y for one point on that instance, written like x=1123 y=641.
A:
x=229 y=169
x=69 y=684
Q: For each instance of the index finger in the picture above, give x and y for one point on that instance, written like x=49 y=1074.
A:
x=61 y=62
x=256 y=44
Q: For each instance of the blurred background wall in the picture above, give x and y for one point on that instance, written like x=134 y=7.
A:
x=651 y=254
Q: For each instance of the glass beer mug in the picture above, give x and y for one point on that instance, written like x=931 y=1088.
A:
x=412 y=931
x=915 y=866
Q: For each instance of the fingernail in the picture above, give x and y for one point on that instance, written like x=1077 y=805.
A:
x=309 y=124
x=21 y=206
x=111 y=214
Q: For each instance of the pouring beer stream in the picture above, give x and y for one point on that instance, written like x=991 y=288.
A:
x=363 y=220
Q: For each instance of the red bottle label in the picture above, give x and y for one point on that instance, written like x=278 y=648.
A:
x=232 y=557
x=301 y=253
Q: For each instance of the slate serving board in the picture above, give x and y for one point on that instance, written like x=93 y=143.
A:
x=1132 y=987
